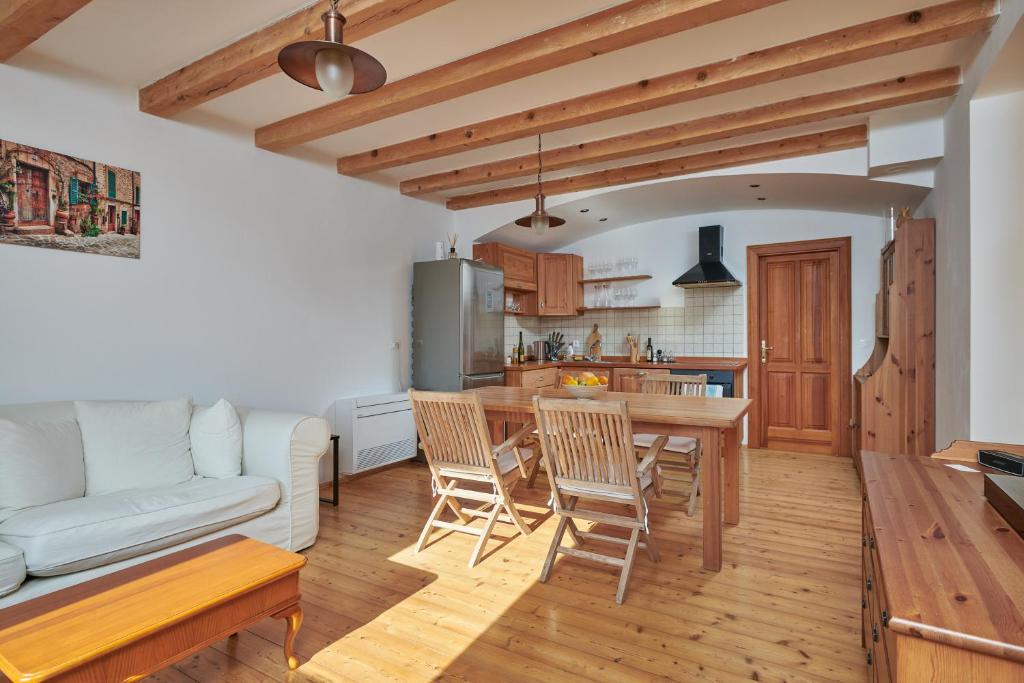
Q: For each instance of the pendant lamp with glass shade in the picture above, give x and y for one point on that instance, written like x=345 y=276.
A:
x=330 y=65
x=540 y=220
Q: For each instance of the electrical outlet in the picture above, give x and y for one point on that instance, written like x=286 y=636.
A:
x=395 y=345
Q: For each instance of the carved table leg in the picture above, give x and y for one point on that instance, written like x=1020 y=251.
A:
x=294 y=617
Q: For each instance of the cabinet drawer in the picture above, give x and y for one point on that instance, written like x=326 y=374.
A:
x=537 y=379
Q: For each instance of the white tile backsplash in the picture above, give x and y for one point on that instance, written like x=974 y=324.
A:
x=712 y=323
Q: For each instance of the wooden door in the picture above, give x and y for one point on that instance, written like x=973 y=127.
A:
x=800 y=346
x=33 y=195
x=558 y=288
x=111 y=218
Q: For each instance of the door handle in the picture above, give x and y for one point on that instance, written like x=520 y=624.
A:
x=764 y=351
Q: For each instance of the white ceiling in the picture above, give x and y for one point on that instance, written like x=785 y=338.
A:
x=693 y=196
x=131 y=43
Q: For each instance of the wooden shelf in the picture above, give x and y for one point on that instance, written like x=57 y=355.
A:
x=619 y=308
x=620 y=278
x=511 y=312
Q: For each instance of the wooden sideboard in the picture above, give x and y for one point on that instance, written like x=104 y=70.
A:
x=943 y=588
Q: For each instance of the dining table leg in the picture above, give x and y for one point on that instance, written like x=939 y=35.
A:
x=731 y=474
x=711 y=492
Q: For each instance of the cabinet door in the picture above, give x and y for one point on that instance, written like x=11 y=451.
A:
x=558 y=287
x=520 y=267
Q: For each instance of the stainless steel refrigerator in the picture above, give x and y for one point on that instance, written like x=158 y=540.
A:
x=458 y=325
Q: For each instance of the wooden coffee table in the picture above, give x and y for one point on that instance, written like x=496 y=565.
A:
x=128 y=624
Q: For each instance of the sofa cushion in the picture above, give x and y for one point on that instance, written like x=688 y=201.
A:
x=216 y=439
x=78 y=534
x=40 y=463
x=12 y=568
x=135 y=444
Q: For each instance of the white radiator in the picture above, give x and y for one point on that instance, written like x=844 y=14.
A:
x=374 y=430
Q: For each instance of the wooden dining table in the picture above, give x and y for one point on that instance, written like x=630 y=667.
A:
x=717 y=422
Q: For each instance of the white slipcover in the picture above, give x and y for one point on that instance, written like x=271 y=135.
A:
x=88 y=532
x=40 y=462
x=12 y=569
x=135 y=444
x=281 y=446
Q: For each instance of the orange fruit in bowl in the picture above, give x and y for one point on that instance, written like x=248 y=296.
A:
x=602 y=380
x=568 y=381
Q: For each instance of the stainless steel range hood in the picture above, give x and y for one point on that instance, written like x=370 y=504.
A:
x=709 y=271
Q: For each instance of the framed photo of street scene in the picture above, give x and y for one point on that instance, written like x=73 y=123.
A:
x=57 y=201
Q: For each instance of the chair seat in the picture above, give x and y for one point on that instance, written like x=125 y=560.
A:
x=676 y=444
x=507 y=461
x=645 y=482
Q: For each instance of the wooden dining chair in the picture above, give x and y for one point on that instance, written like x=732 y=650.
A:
x=538 y=465
x=456 y=441
x=589 y=455
x=682 y=453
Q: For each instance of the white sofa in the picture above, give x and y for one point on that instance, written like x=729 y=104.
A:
x=275 y=500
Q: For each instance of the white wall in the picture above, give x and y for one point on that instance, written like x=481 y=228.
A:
x=950 y=204
x=271 y=281
x=667 y=248
x=997 y=279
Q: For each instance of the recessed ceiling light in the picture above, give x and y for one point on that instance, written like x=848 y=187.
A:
x=602 y=219
x=584 y=210
x=761 y=199
x=756 y=185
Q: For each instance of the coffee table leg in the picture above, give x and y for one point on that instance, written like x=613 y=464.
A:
x=294 y=617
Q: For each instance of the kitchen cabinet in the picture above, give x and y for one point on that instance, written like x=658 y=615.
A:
x=520 y=266
x=559 y=291
x=625 y=375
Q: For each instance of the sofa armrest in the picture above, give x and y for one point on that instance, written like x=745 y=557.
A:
x=12 y=568
x=287 y=447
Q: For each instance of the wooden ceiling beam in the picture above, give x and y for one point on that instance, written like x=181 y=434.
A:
x=628 y=23
x=254 y=57
x=787 y=148
x=23 y=22
x=893 y=92
x=899 y=33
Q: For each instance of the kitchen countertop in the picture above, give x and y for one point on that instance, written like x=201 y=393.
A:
x=681 y=363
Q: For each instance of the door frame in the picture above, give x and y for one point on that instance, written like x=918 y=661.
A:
x=841 y=245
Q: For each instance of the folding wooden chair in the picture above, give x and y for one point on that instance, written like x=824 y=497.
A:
x=538 y=465
x=456 y=441
x=589 y=455
x=687 y=447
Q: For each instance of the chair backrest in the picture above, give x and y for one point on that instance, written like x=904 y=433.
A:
x=587 y=443
x=452 y=428
x=676 y=385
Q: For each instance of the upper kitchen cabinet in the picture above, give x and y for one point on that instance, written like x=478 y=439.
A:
x=559 y=291
x=520 y=266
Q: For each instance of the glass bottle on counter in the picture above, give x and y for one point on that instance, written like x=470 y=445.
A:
x=650 y=351
x=520 y=350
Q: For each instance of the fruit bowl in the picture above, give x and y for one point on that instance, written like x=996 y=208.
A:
x=586 y=392
x=585 y=384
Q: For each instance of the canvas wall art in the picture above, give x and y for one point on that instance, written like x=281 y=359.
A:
x=57 y=201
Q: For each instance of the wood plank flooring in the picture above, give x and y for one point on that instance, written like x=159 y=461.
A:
x=785 y=607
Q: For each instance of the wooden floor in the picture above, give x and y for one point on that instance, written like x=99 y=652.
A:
x=785 y=607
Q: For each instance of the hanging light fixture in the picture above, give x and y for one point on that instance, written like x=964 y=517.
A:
x=329 y=65
x=539 y=220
